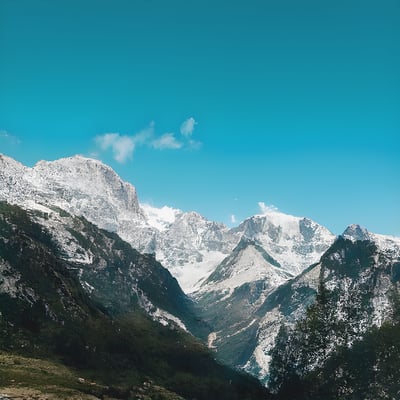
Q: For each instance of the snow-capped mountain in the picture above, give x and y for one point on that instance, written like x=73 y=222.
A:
x=294 y=242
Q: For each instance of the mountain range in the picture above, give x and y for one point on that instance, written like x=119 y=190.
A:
x=233 y=288
x=186 y=243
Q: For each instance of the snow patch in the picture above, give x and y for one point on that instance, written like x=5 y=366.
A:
x=267 y=332
x=8 y=279
x=192 y=274
x=243 y=329
x=165 y=318
x=212 y=337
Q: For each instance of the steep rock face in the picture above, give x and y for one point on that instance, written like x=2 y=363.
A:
x=358 y=274
x=12 y=187
x=36 y=288
x=87 y=187
x=81 y=185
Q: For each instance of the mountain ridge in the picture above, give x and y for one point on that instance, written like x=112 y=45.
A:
x=244 y=281
x=186 y=243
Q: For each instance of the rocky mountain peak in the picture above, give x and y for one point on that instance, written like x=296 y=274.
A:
x=247 y=263
x=294 y=242
x=86 y=177
x=6 y=161
x=11 y=173
x=80 y=185
x=356 y=232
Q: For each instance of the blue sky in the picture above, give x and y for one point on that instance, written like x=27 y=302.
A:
x=214 y=106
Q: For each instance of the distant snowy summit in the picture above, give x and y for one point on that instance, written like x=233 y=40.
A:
x=294 y=242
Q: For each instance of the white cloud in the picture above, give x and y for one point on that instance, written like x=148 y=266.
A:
x=265 y=209
x=233 y=219
x=4 y=135
x=105 y=141
x=166 y=141
x=187 y=127
x=122 y=146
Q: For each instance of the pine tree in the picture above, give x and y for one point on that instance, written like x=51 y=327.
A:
x=316 y=333
x=284 y=378
x=281 y=366
x=304 y=348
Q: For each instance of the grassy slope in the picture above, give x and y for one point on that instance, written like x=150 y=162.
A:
x=33 y=378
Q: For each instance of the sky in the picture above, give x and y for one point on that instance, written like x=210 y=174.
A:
x=214 y=106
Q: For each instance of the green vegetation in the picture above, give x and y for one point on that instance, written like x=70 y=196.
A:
x=24 y=377
x=322 y=358
x=367 y=370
